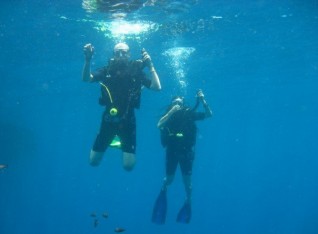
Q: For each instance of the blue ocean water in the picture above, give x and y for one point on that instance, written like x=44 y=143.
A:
x=256 y=159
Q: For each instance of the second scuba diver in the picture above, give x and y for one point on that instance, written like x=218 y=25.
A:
x=178 y=135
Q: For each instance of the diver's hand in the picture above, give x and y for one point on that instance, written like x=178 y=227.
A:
x=174 y=109
x=200 y=94
x=88 y=51
x=146 y=59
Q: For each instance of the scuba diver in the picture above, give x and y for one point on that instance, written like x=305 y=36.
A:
x=121 y=83
x=178 y=135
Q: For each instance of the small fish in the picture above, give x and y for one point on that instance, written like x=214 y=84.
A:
x=96 y=223
x=3 y=166
x=105 y=215
x=118 y=229
x=93 y=215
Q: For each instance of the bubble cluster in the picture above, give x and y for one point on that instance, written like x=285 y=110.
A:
x=177 y=60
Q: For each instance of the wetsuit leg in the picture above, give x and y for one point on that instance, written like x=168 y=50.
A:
x=171 y=161
x=171 y=166
x=186 y=164
x=105 y=136
x=127 y=134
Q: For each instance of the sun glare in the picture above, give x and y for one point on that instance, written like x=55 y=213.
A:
x=125 y=29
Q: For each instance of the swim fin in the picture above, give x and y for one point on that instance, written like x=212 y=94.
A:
x=160 y=209
x=184 y=215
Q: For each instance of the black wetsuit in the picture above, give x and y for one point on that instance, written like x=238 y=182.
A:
x=178 y=135
x=120 y=89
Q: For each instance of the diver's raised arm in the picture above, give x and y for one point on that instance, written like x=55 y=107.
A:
x=208 y=111
x=167 y=116
x=155 y=81
x=88 y=52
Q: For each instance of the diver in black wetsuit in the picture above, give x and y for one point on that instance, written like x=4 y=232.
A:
x=178 y=136
x=121 y=83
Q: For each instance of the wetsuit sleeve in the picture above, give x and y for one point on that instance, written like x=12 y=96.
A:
x=145 y=81
x=198 y=116
x=98 y=75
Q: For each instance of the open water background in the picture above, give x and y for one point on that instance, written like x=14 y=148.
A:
x=256 y=160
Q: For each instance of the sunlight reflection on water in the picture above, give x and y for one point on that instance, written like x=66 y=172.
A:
x=122 y=29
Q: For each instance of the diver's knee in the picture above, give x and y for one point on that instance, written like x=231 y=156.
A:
x=187 y=180
x=129 y=161
x=95 y=158
x=128 y=167
x=168 y=179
